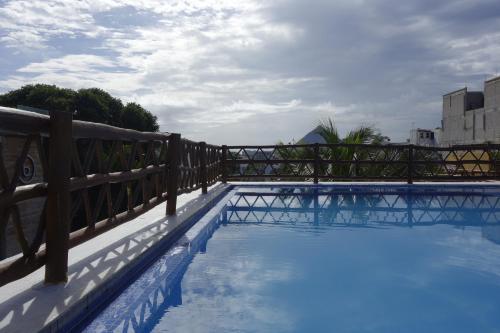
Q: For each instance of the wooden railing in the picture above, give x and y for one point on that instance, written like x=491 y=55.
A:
x=94 y=177
x=363 y=162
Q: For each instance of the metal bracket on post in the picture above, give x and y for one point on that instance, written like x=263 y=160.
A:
x=173 y=172
x=410 y=164
x=203 y=167
x=223 y=163
x=58 y=198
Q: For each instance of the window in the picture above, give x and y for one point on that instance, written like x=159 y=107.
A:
x=432 y=135
x=421 y=135
x=427 y=135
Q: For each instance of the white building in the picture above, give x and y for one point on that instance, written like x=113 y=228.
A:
x=471 y=117
x=422 y=137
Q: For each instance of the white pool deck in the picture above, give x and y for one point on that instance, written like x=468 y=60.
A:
x=27 y=305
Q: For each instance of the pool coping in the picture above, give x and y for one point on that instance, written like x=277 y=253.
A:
x=385 y=184
x=100 y=268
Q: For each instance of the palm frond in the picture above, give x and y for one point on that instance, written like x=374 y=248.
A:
x=328 y=131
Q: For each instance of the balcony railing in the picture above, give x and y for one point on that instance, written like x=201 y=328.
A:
x=93 y=177
x=363 y=162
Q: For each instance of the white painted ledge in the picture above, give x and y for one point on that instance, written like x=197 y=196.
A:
x=344 y=183
x=27 y=305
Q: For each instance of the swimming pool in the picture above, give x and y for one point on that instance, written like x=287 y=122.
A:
x=325 y=259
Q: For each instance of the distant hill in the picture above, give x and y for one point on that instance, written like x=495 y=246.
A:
x=312 y=137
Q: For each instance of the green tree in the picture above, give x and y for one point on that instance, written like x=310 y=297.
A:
x=98 y=106
x=92 y=104
x=135 y=116
x=41 y=96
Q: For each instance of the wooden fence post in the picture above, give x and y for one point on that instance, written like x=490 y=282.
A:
x=410 y=164
x=58 y=197
x=316 y=163
x=223 y=163
x=494 y=165
x=203 y=167
x=173 y=172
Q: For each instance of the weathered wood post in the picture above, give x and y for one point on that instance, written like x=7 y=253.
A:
x=494 y=165
x=223 y=163
x=173 y=172
x=410 y=164
x=58 y=198
x=3 y=185
x=203 y=167
x=316 y=163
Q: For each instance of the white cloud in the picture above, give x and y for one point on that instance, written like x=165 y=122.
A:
x=79 y=63
x=474 y=56
x=217 y=62
x=27 y=21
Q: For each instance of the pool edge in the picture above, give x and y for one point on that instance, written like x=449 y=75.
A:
x=74 y=317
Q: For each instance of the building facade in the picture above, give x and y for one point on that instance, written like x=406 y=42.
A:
x=422 y=137
x=471 y=117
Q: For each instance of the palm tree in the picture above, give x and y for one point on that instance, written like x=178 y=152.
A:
x=343 y=151
x=361 y=135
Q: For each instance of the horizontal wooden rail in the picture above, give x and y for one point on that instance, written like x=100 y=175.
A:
x=78 y=183
x=22 y=193
x=83 y=129
x=14 y=121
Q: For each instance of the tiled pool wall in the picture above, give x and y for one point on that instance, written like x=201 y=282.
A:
x=145 y=295
x=99 y=298
x=183 y=253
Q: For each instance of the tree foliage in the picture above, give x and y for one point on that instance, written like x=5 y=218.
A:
x=342 y=149
x=93 y=104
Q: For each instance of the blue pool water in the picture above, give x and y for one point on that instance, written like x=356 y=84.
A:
x=326 y=260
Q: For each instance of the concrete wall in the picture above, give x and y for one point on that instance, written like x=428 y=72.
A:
x=454 y=117
x=422 y=137
x=472 y=117
x=10 y=149
x=492 y=109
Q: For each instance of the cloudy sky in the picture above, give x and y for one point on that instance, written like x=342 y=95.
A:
x=254 y=72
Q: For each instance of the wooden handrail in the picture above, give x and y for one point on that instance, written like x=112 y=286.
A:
x=14 y=121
